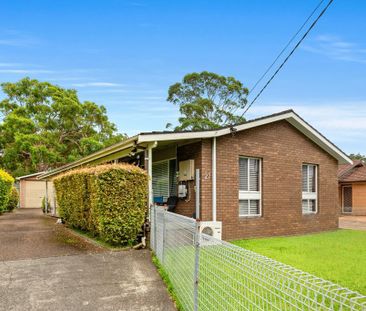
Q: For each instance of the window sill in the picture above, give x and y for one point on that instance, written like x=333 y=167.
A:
x=242 y=217
x=309 y=213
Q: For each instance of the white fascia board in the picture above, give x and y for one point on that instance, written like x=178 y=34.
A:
x=290 y=117
x=95 y=156
x=319 y=139
x=30 y=175
x=208 y=134
x=143 y=138
x=264 y=121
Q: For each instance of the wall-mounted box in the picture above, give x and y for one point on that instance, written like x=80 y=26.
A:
x=186 y=170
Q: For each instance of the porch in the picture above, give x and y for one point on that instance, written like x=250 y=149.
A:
x=180 y=174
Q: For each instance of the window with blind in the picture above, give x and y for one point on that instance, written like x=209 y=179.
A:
x=164 y=182
x=249 y=186
x=309 y=189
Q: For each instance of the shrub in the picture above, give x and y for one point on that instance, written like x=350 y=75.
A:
x=13 y=199
x=110 y=201
x=6 y=182
x=43 y=205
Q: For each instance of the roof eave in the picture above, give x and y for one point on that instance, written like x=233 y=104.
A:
x=93 y=157
x=29 y=175
x=289 y=116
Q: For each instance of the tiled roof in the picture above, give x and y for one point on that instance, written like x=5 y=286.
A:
x=346 y=167
x=352 y=173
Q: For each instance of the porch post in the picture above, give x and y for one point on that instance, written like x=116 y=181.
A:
x=149 y=172
x=214 y=179
x=46 y=199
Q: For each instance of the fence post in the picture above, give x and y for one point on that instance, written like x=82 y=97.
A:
x=197 y=241
x=164 y=236
x=155 y=225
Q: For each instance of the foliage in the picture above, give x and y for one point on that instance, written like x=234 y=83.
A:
x=165 y=276
x=44 y=126
x=6 y=182
x=43 y=205
x=334 y=256
x=13 y=199
x=358 y=156
x=207 y=100
x=110 y=201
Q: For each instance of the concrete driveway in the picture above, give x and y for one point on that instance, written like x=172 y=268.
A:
x=45 y=267
x=352 y=222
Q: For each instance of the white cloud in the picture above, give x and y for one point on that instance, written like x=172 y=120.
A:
x=10 y=64
x=344 y=123
x=18 y=40
x=336 y=48
x=25 y=71
x=97 y=84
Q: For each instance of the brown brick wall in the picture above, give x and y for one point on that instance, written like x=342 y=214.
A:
x=186 y=152
x=206 y=181
x=283 y=150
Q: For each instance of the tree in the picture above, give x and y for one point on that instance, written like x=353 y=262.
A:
x=207 y=101
x=45 y=126
x=358 y=156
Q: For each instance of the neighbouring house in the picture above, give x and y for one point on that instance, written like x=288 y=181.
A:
x=32 y=191
x=274 y=175
x=352 y=188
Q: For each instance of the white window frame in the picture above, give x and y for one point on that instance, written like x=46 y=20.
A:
x=165 y=160
x=252 y=195
x=309 y=195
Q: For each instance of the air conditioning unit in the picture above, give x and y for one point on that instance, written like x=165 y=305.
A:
x=212 y=228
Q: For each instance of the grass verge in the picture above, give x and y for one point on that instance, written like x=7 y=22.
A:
x=338 y=256
x=164 y=275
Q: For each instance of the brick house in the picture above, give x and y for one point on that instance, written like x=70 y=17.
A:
x=352 y=188
x=274 y=175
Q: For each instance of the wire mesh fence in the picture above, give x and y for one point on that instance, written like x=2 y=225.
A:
x=210 y=274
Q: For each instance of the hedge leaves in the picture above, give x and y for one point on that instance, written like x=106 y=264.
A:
x=109 y=201
x=6 y=183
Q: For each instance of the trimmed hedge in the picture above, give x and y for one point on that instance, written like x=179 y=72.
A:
x=6 y=182
x=110 y=201
x=13 y=199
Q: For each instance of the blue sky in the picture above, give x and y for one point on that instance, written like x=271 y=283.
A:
x=125 y=54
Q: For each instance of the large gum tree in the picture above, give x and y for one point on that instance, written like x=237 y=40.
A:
x=207 y=100
x=43 y=126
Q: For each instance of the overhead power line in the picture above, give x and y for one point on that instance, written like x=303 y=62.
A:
x=286 y=46
x=289 y=55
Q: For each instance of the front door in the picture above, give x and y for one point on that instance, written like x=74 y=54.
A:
x=347 y=199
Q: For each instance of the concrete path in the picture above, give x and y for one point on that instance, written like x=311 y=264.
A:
x=352 y=222
x=26 y=234
x=63 y=272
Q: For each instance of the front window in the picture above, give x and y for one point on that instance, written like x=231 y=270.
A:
x=164 y=182
x=309 y=189
x=249 y=187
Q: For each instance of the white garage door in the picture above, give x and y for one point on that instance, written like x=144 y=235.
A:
x=34 y=193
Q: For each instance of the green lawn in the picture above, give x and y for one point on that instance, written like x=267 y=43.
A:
x=338 y=256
